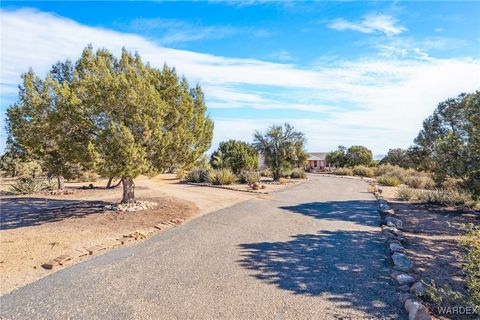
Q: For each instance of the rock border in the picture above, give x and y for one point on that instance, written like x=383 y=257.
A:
x=77 y=254
x=410 y=286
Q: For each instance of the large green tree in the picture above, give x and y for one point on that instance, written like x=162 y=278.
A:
x=235 y=155
x=399 y=157
x=282 y=147
x=337 y=157
x=450 y=141
x=359 y=155
x=118 y=117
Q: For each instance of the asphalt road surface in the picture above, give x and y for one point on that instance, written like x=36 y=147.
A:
x=311 y=252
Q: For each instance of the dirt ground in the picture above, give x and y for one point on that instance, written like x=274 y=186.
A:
x=433 y=234
x=37 y=228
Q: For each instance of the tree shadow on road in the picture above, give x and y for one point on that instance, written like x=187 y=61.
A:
x=18 y=212
x=346 y=267
x=359 y=211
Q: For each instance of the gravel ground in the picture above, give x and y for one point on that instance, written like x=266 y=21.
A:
x=311 y=252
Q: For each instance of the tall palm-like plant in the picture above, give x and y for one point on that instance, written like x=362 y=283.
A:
x=282 y=147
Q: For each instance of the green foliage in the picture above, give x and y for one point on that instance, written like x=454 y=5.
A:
x=282 y=147
x=471 y=241
x=445 y=197
x=388 y=180
x=235 y=155
x=221 y=177
x=198 y=175
x=358 y=155
x=249 y=177
x=406 y=193
x=450 y=143
x=344 y=172
x=29 y=185
x=298 y=174
x=363 y=171
x=267 y=173
x=398 y=157
x=337 y=157
x=117 y=117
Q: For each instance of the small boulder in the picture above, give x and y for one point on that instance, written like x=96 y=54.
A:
x=401 y=262
x=396 y=247
x=404 y=288
x=394 y=222
x=388 y=212
x=416 y=310
x=418 y=289
x=404 y=279
x=406 y=296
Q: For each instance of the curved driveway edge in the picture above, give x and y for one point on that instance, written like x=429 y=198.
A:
x=312 y=252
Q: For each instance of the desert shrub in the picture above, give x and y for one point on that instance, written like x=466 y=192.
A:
x=363 y=171
x=180 y=174
x=344 y=172
x=393 y=171
x=28 y=185
x=298 y=174
x=221 y=177
x=283 y=181
x=388 y=180
x=248 y=177
x=286 y=173
x=446 y=197
x=198 y=175
x=419 y=181
x=471 y=241
x=267 y=173
x=406 y=193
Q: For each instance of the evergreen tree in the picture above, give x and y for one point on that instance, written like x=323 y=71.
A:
x=235 y=155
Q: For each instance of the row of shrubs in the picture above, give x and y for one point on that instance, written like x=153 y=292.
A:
x=448 y=197
x=390 y=175
x=226 y=176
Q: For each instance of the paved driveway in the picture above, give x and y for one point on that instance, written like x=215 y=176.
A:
x=312 y=252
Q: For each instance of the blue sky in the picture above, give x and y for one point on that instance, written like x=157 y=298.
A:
x=343 y=72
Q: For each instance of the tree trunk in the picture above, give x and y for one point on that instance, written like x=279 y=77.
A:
x=60 y=182
x=128 y=190
x=109 y=183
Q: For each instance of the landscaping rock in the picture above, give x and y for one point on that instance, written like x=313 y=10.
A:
x=394 y=222
x=95 y=249
x=416 y=310
x=51 y=264
x=388 y=212
x=395 y=247
x=404 y=279
x=418 y=289
x=407 y=296
x=404 y=288
x=131 y=206
x=64 y=259
x=401 y=262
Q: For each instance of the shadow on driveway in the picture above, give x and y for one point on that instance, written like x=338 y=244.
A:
x=358 y=211
x=348 y=266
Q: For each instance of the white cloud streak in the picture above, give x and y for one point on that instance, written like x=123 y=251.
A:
x=371 y=23
x=379 y=103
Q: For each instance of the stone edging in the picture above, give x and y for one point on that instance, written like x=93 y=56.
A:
x=411 y=288
x=78 y=253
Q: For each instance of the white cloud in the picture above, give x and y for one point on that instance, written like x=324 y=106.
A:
x=371 y=23
x=379 y=103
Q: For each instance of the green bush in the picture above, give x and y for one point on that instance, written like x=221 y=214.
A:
x=30 y=185
x=406 y=194
x=471 y=241
x=344 y=172
x=267 y=173
x=298 y=174
x=388 y=180
x=286 y=173
x=249 y=177
x=446 y=197
x=221 y=177
x=363 y=171
x=198 y=175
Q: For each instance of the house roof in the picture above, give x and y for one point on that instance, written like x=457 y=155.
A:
x=317 y=155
